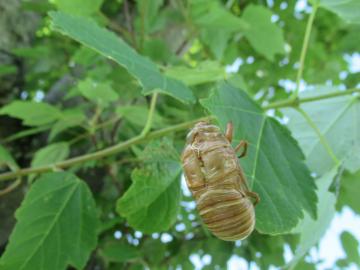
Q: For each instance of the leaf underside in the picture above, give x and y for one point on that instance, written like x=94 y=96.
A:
x=87 y=32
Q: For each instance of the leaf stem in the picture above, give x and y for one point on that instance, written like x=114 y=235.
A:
x=104 y=152
x=295 y=102
x=322 y=139
x=304 y=49
x=10 y=188
x=150 y=117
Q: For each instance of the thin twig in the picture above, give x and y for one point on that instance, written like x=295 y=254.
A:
x=10 y=188
x=304 y=49
x=104 y=152
x=150 y=117
x=296 y=102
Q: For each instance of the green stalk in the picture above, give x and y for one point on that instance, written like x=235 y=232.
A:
x=295 y=102
x=102 y=153
x=304 y=49
x=149 y=120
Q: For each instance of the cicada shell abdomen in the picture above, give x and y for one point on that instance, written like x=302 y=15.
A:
x=216 y=180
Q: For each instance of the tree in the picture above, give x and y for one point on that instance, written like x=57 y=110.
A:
x=105 y=93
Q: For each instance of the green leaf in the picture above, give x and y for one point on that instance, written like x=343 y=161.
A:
x=302 y=265
x=207 y=71
x=216 y=24
x=212 y=15
x=338 y=121
x=351 y=246
x=87 y=32
x=149 y=11
x=56 y=226
x=152 y=202
x=348 y=10
x=264 y=36
x=220 y=251
x=311 y=230
x=138 y=114
x=238 y=81
x=342 y=263
x=78 y=7
x=32 y=113
x=154 y=251
x=69 y=118
x=271 y=249
x=7 y=159
x=119 y=252
x=99 y=92
x=274 y=164
x=216 y=40
x=50 y=154
x=7 y=69
x=349 y=191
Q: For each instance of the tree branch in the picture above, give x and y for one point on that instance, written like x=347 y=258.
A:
x=156 y=134
x=102 y=153
x=295 y=102
x=149 y=120
x=304 y=49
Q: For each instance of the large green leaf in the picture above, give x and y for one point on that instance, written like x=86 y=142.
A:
x=274 y=164
x=216 y=24
x=212 y=15
x=119 y=252
x=348 y=10
x=216 y=40
x=265 y=36
x=349 y=191
x=78 y=7
x=51 y=154
x=70 y=118
x=311 y=230
x=138 y=114
x=32 y=113
x=99 y=92
x=207 y=71
x=152 y=202
x=87 y=32
x=351 y=247
x=338 y=121
x=7 y=159
x=56 y=226
x=150 y=14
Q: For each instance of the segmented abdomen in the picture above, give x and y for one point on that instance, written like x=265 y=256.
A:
x=229 y=215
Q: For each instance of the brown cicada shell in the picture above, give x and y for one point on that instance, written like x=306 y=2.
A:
x=217 y=182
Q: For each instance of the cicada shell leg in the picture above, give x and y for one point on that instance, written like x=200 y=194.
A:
x=229 y=131
x=253 y=195
x=242 y=145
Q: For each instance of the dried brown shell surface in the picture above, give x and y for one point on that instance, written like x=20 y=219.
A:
x=216 y=180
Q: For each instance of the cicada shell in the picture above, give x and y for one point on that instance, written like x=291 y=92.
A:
x=217 y=182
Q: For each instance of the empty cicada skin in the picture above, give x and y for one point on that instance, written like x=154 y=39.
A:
x=216 y=180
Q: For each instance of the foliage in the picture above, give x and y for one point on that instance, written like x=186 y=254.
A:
x=96 y=103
